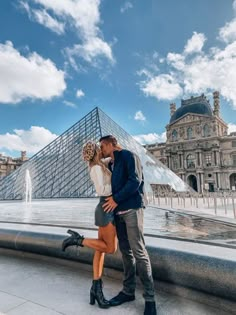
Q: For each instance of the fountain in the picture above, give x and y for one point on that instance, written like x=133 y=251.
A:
x=28 y=187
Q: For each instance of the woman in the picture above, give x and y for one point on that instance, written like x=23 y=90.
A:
x=107 y=241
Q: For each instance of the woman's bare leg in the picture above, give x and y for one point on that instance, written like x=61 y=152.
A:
x=98 y=262
x=106 y=235
x=106 y=242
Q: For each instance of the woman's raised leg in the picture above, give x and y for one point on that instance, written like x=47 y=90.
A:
x=106 y=242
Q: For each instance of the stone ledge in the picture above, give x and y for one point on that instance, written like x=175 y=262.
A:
x=214 y=275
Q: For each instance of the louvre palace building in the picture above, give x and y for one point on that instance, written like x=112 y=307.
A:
x=198 y=147
x=9 y=164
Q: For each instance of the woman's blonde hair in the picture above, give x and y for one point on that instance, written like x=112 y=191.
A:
x=91 y=154
x=96 y=160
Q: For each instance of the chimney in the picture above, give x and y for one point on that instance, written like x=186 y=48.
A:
x=216 y=97
x=23 y=156
x=172 y=108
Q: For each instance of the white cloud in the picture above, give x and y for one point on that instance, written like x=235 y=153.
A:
x=31 y=140
x=202 y=72
x=79 y=93
x=234 y=6
x=139 y=116
x=27 y=77
x=69 y=104
x=155 y=55
x=195 y=43
x=162 y=87
x=83 y=17
x=150 y=138
x=176 y=60
x=127 y=5
x=145 y=72
x=231 y=128
x=90 y=51
x=213 y=72
x=228 y=32
x=44 y=18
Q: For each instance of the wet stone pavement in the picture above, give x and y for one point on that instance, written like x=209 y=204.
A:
x=79 y=213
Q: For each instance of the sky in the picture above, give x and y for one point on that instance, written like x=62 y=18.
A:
x=59 y=59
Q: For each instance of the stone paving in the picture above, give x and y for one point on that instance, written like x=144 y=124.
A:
x=38 y=285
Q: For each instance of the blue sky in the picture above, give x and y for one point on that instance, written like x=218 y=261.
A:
x=61 y=58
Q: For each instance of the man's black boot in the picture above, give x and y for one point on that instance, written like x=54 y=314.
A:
x=150 y=308
x=121 y=298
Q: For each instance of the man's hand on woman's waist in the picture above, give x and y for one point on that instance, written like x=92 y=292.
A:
x=110 y=204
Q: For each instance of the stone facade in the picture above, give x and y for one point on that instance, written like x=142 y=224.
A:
x=198 y=148
x=9 y=164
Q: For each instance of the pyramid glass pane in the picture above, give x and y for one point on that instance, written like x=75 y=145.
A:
x=58 y=170
x=154 y=171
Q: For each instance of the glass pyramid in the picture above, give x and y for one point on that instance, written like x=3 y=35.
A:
x=58 y=170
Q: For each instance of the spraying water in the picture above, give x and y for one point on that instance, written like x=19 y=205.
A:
x=28 y=187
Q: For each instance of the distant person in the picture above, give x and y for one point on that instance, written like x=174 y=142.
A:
x=107 y=241
x=127 y=203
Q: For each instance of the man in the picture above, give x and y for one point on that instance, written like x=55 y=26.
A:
x=127 y=201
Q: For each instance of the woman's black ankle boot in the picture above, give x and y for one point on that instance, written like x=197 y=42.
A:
x=74 y=239
x=96 y=294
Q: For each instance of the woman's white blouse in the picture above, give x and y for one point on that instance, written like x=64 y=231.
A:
x=101 y=180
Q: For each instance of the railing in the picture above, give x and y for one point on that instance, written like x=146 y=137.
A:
x=216 y=203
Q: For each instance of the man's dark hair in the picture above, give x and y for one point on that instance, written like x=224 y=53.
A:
x=109 y=139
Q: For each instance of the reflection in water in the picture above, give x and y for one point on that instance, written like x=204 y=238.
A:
x=27 y=213
x=80 y=213
x=185 y=226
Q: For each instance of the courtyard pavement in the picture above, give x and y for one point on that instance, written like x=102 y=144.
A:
x=38 y=285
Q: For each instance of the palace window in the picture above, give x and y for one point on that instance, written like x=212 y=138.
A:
x=208 y=159
x=234 y=159
x=189 y=133
x=206 y=131
x=234 y=143
x=190 y=161
x=175 y=162
x=174 y=135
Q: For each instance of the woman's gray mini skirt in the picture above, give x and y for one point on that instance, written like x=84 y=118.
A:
x=101 y=217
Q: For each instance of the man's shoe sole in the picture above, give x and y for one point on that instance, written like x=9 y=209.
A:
x=119 y=303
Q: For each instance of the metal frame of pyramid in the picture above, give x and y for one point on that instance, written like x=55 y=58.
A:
x=58 y=170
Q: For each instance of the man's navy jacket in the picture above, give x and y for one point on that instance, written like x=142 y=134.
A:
x=127 y=181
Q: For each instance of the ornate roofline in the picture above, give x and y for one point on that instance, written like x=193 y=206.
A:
x=191 y=114
x=197 y=99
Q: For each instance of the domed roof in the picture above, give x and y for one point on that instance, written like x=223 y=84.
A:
x=195 y=105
